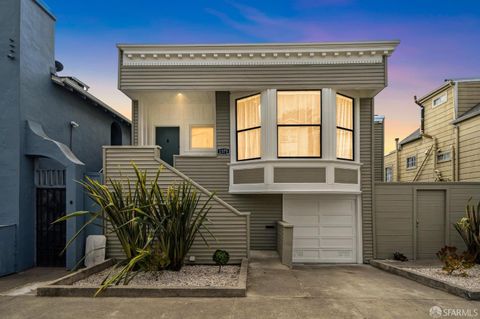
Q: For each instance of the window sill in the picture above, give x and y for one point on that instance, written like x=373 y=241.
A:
x=296 y=160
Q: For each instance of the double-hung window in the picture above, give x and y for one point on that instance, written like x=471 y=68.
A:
x=411 y=162
x=299 y=123
x=248 y=112
x=345 y=133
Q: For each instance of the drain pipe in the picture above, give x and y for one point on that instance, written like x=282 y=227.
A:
x=397 y=158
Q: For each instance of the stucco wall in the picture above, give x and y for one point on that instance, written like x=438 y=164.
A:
x=30 y=94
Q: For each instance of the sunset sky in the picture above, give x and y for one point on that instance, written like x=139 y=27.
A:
x=439 y=39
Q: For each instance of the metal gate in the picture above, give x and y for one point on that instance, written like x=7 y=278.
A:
x=51 y=239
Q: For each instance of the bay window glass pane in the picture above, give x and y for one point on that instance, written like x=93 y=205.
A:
x=248 y=112
x=248 y=144
x=202 y=137
x=344 y=112
x=344 y=144
x=299 y=141
x=298 y=107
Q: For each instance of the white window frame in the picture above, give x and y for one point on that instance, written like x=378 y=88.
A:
x=444 y=157
x=415 y=162
x=443 y=98
x=192 y=126
x=389 y=169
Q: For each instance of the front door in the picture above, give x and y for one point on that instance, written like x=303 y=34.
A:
x=51 y=239
x=168 y=138
x=430 y=223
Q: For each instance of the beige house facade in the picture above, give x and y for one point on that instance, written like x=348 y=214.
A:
x=283 y=134
x=446 y=146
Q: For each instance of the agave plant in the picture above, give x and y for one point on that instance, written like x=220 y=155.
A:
x=469 y=229
x=155 y=228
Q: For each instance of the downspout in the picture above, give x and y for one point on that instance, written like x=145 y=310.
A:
x=397 y=160
x=422 y=115
x=456 y=154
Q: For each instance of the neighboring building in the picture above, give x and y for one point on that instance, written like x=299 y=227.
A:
x=52 y=133
x=283 y=133
x=379 y=146
x=445 y=147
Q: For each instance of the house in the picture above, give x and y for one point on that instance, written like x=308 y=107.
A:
x=282 y=133
x=444 y=147
x=52 y=133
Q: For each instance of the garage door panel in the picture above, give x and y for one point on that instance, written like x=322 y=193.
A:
x=336 y=219
x=346 y=243
x=337 y=231
x=336 y=255
x=305 y=219
x=306 y=254
x=307 y=243
x=306 y=231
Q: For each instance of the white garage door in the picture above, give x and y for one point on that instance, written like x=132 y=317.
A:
x=324 y=228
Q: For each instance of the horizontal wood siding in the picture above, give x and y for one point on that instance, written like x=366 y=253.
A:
x=265 y=210
x=394 y=209
x=222 y=112
x=229 y=228
x=469 y=149
x=366 y=158
x=468 y=96
x=378 y=151
x=345 y=76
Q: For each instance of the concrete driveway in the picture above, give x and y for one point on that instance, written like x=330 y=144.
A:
x=349 y=291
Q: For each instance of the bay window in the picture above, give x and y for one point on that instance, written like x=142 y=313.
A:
x=345 y=136
x=248 y=131
x=299 y=123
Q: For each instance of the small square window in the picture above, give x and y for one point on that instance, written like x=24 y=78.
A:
x=411 y=162
x=202 y=137
x=443 y=157
x=439 y=100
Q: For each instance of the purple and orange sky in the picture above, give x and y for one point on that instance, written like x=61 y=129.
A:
x=439 y=39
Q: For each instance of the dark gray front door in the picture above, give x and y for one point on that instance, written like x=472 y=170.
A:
x=168 y=138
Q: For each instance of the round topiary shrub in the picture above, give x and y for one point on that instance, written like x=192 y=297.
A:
x=221 y=257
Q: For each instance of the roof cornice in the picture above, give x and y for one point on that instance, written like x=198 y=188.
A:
x=256 y=54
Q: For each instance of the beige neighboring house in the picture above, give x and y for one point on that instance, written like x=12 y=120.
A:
x=446 y=147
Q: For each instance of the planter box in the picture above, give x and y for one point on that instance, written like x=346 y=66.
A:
x=63 y=287
x=427 y=281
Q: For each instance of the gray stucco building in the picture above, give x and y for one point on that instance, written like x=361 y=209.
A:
x=51 y=133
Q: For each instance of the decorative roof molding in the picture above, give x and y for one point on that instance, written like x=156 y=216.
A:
x=257 y=54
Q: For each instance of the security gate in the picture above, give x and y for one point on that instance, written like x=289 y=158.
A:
x=51 y=239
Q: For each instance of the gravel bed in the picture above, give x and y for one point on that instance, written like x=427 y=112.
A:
x=188 y=276
x=471 y=282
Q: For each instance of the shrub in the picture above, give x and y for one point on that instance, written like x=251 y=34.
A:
x=455 y=262
x=156 y=228
x=181 y=219
x=399 y=256
x=221 y=258
x=469 y=229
